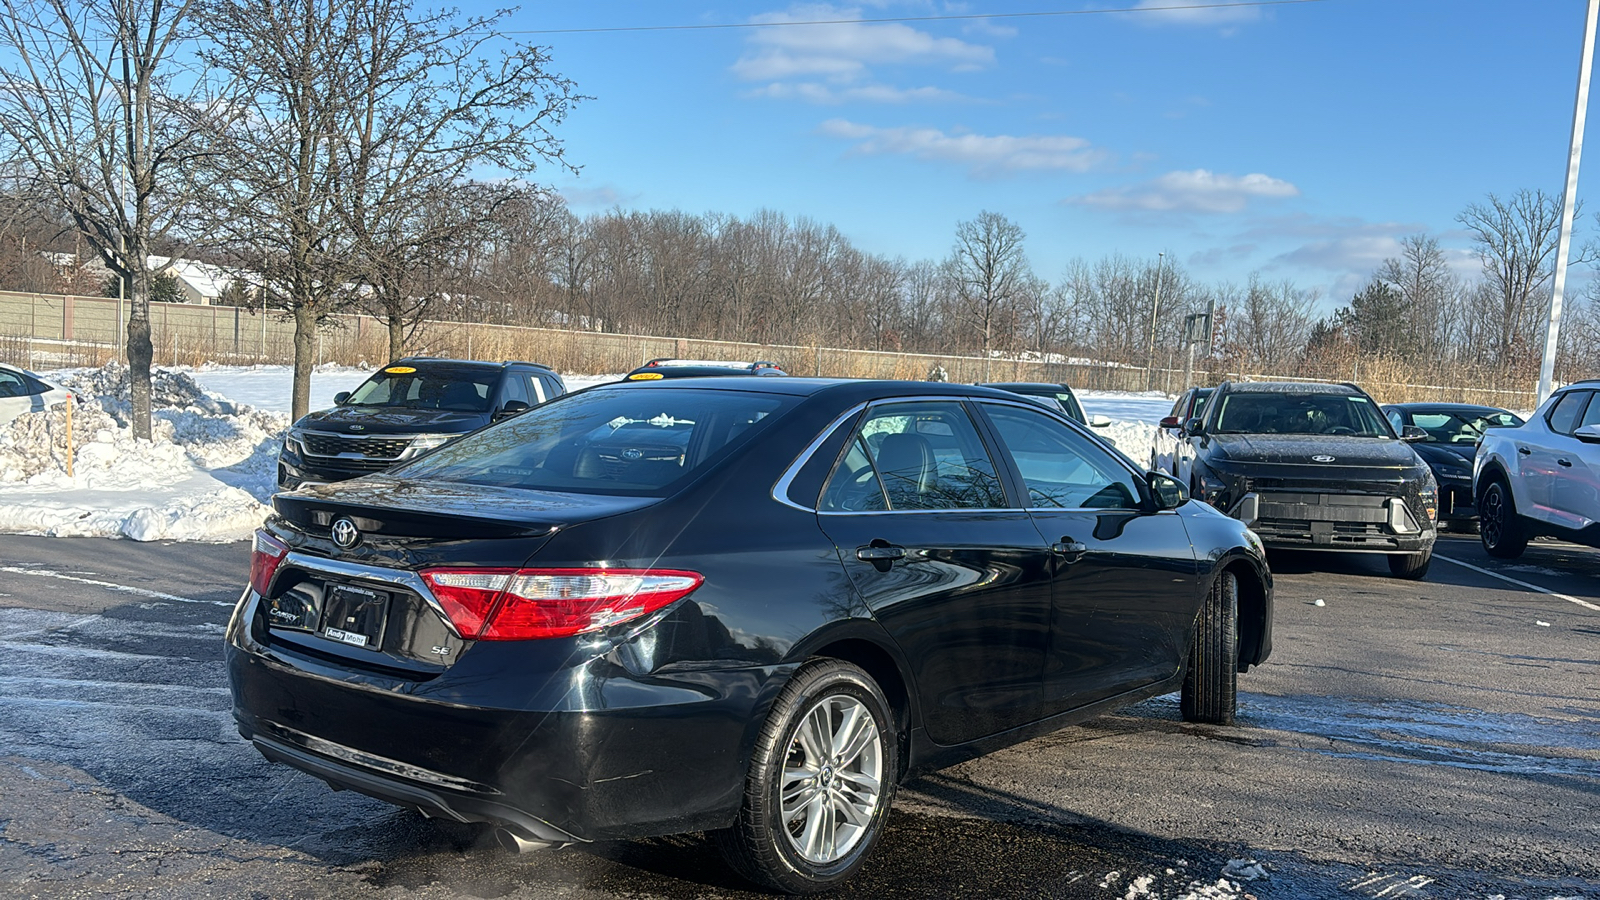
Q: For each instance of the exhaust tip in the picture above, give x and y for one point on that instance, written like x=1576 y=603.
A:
x=516 y=843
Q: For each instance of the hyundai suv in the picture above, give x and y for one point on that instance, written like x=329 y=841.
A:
x=1539 y=478
x=404 y=409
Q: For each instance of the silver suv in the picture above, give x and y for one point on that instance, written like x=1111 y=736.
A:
x=1541 y=478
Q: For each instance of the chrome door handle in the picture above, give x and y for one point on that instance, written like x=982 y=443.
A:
x=1069 y=550
x=880 y=554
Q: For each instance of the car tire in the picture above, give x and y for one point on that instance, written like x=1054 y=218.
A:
x=781 y=840
x=1211 y=682
x=1410 y=565
x=1499 y=527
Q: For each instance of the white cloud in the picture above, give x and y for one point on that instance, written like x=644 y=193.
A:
x=983 y=155
x=816 y=92
x=1203 y=18
x=797 y=57
x=595 y=197
x=1199 y=191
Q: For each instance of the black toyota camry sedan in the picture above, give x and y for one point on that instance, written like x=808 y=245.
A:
x=749 y=606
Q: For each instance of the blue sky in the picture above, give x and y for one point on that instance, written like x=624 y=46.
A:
x=1300 y=141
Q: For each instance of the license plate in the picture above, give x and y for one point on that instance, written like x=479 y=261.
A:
x=355 y=615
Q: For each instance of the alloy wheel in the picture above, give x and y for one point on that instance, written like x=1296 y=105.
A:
x=832 y=779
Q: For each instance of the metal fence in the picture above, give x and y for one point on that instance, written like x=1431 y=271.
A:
x=50 y=330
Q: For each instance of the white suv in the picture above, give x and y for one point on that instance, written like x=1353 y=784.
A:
x=1541 y=478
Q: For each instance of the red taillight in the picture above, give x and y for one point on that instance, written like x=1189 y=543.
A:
x=264 y=560
x=526 y=604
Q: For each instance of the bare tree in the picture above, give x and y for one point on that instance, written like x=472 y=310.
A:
x=1422 y=277
x=987 y=267
x=1516 y=240
x=90 y=99
x=428 y=100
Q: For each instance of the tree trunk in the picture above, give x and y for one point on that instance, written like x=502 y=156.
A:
x=397 y=334
x=140 y=351
x=305 y=353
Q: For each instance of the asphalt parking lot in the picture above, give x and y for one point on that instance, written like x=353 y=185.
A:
x=1408 y=739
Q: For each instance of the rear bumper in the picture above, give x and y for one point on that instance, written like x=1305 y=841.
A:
x=579 y=753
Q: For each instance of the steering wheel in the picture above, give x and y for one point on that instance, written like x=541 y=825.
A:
x=1341 y=429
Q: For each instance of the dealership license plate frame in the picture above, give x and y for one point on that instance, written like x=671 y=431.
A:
x=355 y=616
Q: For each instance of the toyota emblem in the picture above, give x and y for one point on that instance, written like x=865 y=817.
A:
x=345 y=533
x=1322 y=457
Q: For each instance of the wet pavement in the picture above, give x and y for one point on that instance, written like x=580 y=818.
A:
x=1437 y=739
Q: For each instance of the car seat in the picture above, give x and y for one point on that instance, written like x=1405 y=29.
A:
x=461 y=395
x=909 y=470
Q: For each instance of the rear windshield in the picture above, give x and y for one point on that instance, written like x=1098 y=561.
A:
x=1249 y=413
x=622 y=441
x=464 y=388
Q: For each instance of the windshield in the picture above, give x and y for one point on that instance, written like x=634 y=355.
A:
x=1462 y=426
x=625 y=441
x=464 y=388
x=1251 y=413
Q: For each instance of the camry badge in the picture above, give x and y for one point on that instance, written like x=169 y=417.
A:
x=1322 y=457
x=345 y=533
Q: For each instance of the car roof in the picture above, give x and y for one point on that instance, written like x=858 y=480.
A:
x=702 y=371
x=474 y=363
x=1416 y=406
x=1027 y=387
x=1291 y=387
x=850 y=389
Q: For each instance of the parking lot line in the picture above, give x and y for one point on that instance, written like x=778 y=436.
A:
x=108 y=585
x=1522 y=584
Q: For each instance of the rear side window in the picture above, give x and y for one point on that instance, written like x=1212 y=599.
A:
x=922 y=455
x=14 y=385
x=607 y=442
x=1564 y=415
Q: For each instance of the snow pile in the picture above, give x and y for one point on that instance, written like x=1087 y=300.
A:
x=204 y=477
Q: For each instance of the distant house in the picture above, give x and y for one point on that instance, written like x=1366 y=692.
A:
x=200 y=283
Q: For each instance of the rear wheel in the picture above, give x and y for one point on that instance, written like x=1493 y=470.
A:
x=1499 y=527
x=1211 y=684
x=820 y=782
x=1410 y=565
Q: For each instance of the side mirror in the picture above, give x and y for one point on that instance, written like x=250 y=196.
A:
x=1412 y=434
x=1168 y=492
x=340 y=398
x=511 y=408
x=1099 y=421
x=1589 y=434
x=1193 y=427
x=1171 y=422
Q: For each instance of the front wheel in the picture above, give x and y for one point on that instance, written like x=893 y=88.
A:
x=1410 y=565
x=1499 y=527
x=1211 y=683
x=820 y=782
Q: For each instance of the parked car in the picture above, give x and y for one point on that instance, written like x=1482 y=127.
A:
x=1055 y=396
x=1316 y=467
x=749 y=606
x=22 y=391
x=1454 y=430
x=1170 y=453
x=1542 y=477
x=657 y=369
x=407 y=408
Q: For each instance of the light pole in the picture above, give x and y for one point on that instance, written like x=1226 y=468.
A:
x=1155 y=308
x=1552 y=335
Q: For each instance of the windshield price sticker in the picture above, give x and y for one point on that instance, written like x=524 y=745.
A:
x=400 y=370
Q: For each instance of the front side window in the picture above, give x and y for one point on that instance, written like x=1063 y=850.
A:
x=1062 y=469
x=1289 y=413
x=630 y=442
x=920 y=455
x=460 y=388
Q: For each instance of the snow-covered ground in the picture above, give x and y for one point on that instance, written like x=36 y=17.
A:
x=211 y=470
